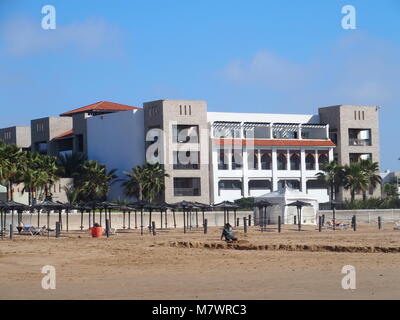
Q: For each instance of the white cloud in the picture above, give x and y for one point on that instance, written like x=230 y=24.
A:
x=24 y=36
x=355 y=70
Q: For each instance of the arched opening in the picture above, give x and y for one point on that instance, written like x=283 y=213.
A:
x=295 y=161
x=322 y=158
x=266 y=160
x=310 y=162
x=282 y=161
x=252 y=160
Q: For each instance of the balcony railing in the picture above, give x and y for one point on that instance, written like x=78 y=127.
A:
x=359 y=142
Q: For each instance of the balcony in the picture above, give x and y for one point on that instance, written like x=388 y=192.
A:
x=359 y=142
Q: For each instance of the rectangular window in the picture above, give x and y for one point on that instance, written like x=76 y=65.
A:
x=185 y=133
x=189 y=160
x=359 y=137
x=186 y=187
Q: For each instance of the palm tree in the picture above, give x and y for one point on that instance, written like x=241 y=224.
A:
x=371 y=171
x=156 y=180
x=134 y=185
x=94 y=180
x=11 y=163
x=71 y=163
x=145 y=182
x=355 y=179
x=72 y=193
x=333 y=175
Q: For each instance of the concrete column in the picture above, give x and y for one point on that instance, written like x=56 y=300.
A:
x=259 y=159
x=214 y=177
x=229 y=153
x=274 y=170
x=288 y=159
x=303 y=170
x=299 y=132
x=316 y=160
x=245 y=168
x=271 y=131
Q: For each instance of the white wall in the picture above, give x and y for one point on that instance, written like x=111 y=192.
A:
x=117 y=140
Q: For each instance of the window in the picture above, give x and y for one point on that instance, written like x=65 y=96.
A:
x=259 y=185
x=185 y=133
x=310 y=160
x=222 y=160
x=322 y=158
x=230 y=185
x=295 y=161
x=293 y=184
x=359 y=137
x=316 y=184
x=252 y=160
x=186 y=160
x=237 y=159
x=266 y=160
x=282 y=161
x=356 y=157
x=184 y=187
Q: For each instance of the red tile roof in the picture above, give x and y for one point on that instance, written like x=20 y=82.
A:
x=102 y=106
x=274 y=142
x=64 y=134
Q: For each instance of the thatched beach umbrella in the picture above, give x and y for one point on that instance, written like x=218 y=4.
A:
x=186 y=206
x=203 y=207
x=299 y=205
x=262 y=209
x=227 y=205
x=14 y=206
x=108 y=206
x=49 y=205
x=140 y=205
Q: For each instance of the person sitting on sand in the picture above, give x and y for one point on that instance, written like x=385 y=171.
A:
x=227 y=233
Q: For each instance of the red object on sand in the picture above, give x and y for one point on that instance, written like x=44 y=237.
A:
x=96 y=232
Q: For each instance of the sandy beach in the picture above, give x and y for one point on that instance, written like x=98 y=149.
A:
x=173 y=265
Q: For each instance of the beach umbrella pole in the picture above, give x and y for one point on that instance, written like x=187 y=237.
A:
x=141 y=221
x=173 y=214
x=129 y=220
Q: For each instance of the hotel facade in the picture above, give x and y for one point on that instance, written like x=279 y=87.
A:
x=211 y=156
x=216 y=156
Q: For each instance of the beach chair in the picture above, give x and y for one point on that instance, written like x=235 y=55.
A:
x=30 y=230
x=113 y=231
x=397 y=225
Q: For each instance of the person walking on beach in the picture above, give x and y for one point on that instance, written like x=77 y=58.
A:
x=227 y=233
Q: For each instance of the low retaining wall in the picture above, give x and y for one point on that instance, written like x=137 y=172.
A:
x=367 y=215
x=214 y=219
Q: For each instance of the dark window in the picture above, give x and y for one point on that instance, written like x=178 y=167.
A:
x=282 y=162
x=230 y=185
x=185 y=133
x=316 y=184
x=252 y=160
x=266 y=160
x=222 y=160
x=322 y=158
x=237 y=159
x=294 y=184
x=295 y=161
x=310 y=161
x=259 y=185
x=186 y=160
x=80 y=142
x=184 y=187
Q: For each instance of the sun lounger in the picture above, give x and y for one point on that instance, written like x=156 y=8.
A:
x=112 y=231
x=397 y=225
x=338 y=225
x=30 y=230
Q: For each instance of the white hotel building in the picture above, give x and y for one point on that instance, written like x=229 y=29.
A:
x=265 y=152
x=235 y=155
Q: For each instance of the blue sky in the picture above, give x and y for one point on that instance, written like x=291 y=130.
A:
x=288 y=56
